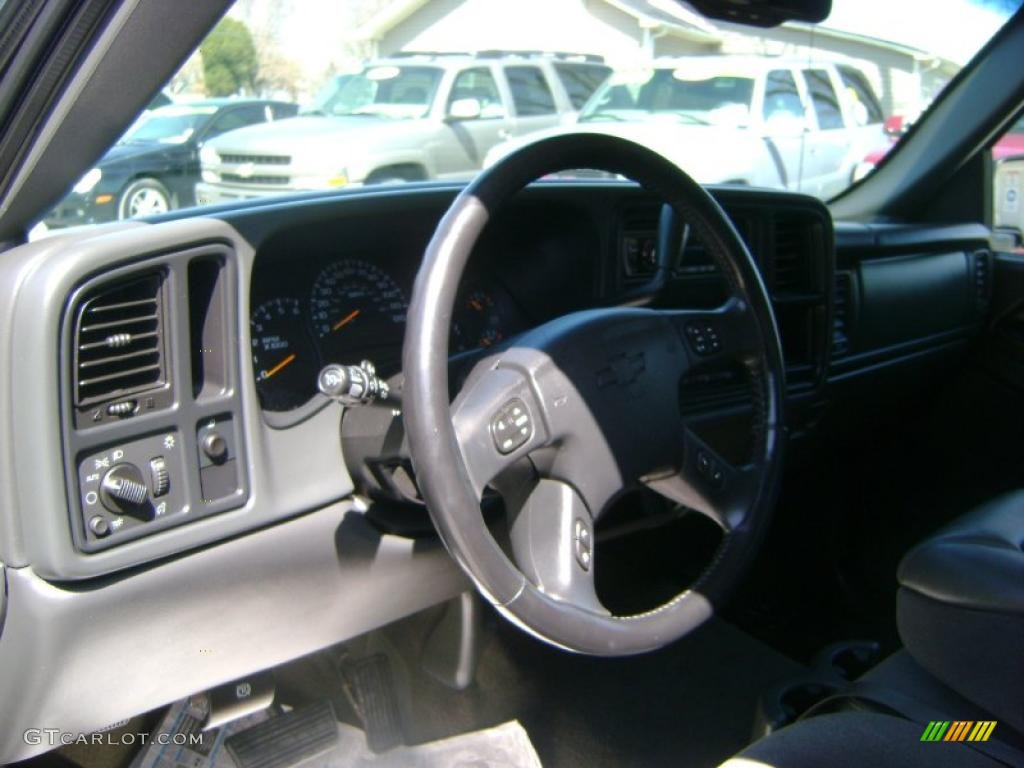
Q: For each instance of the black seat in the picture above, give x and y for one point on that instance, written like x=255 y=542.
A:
x=960 y=612
x=961 y=607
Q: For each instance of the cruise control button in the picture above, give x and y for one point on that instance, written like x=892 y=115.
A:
x=511 y=426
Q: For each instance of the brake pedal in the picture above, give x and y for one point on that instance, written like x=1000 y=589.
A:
x=369 y=685
x=286 y=740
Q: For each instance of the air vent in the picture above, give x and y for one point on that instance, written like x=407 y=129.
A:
x=118 y=341
x=791 y=255
x=982 y=279
x=638 y=241
x=841 y=315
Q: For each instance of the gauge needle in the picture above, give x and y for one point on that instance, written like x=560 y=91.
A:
x=279 y=366
x=345 y=320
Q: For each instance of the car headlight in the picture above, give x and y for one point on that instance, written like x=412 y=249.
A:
x=86 y=183
x=208 y=156
x=210 y=177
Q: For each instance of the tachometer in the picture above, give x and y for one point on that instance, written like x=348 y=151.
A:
x=358 y=312
x=284 y=359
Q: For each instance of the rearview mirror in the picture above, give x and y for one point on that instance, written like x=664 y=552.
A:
x=763 y=13
x=464 y=109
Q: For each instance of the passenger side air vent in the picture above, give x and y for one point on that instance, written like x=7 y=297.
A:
x=841 y=315
x=118 y=344
x=982 y=279
x=791 y=268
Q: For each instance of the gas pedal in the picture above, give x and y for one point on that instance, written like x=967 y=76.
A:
x=369 y=685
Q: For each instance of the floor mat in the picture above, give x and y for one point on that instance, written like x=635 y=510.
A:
x=691 y=704
x=184 y=746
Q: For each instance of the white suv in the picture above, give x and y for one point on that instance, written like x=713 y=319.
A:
x=406 y=118
x=781 y=123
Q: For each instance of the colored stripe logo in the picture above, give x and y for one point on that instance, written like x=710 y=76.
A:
x=958 y=730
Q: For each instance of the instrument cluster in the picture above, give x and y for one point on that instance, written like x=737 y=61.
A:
x=354 y=310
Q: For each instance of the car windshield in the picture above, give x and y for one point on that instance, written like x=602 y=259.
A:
x=383 y=91
x=683 y=92
x=399 y=91
x=168 y=125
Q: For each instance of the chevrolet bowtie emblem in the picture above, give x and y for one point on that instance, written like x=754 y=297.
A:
x=623 y=369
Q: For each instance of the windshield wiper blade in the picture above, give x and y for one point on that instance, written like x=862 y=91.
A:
x=599 y=116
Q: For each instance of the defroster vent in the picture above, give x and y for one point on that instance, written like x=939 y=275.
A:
x=118 y=341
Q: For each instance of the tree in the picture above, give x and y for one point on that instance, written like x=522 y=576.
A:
x=229 y=59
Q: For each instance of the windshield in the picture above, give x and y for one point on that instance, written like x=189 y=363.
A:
x=169 y=125
x=675 y=93
x=436 y=91
x=386 y=91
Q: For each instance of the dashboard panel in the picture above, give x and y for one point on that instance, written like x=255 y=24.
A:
x=326 y=294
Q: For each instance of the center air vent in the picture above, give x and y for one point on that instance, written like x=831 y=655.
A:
x=638 y=242
x=118 y=342
x=791 y=271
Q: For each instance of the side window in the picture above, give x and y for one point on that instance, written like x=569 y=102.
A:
x=823 y=96
x=479 y=84
x=530 y=92
x=580 y=80
x=866 y=108
x=781 y=97
x=237 y=118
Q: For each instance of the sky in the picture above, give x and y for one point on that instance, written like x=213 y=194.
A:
x=953 y=29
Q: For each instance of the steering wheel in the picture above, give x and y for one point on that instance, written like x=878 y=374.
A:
x=583 y=407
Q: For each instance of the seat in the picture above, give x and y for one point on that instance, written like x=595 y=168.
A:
x=960 y=614
x=960 y=607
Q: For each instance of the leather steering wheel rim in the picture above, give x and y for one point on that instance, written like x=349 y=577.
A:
x=571 y=417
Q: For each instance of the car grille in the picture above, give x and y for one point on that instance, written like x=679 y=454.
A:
x=255 y=159
x=262 y=179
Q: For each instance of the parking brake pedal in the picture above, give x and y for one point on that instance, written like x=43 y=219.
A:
x=286 y=740
x=370 y=688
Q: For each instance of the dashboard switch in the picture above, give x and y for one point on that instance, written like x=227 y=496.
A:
x=159 y=477
x=123 y=491
x=215 y=447
x=99 y=525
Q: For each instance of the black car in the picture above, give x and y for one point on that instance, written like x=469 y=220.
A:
x=155 y=165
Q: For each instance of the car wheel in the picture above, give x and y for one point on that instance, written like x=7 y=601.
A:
x=143 y=197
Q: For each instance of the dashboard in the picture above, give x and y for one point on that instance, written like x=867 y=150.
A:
x=182 y=357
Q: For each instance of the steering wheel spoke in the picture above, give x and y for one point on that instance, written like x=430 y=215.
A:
x=497 y=420
x=724 y=334
x=710 y=484
x=552 y=539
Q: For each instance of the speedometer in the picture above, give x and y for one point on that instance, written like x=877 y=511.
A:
x=358 y=312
